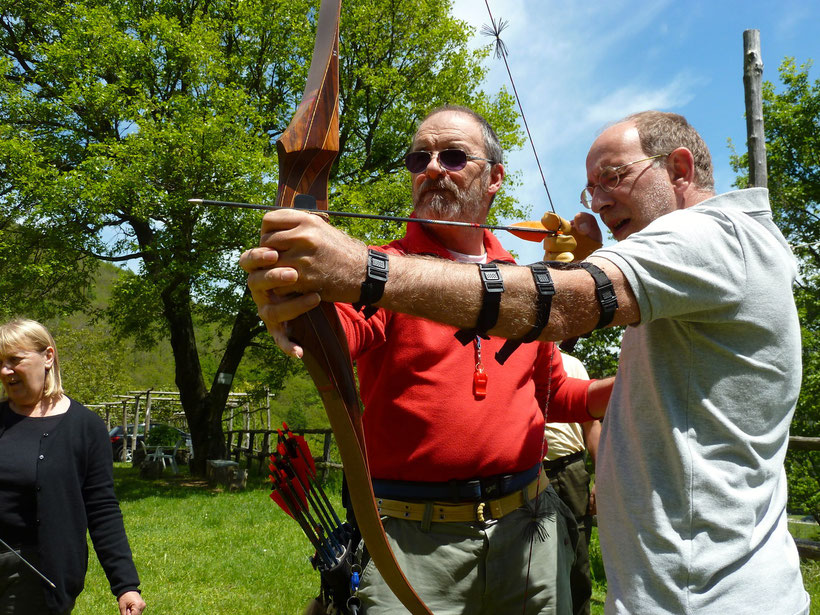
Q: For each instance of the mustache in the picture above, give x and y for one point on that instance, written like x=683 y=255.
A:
x=439 y=183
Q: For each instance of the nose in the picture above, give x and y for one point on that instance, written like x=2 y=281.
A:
x=600 y=200
x=434 y=168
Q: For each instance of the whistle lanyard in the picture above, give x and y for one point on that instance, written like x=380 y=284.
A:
x=479 y=376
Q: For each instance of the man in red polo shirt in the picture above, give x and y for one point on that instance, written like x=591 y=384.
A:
x=446 y=423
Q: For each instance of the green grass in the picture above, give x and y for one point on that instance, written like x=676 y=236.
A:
x=807 y=531
x=200 y=550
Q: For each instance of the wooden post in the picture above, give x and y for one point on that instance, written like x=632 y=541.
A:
x=136 y=424
x=263 y=457
x=124 y=430
x=247 y=437
x=752 y=83
x=326 y=454
x=250 y=454
x=267 y=404
x=147 y=412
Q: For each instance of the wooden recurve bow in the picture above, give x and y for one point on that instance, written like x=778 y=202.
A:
x=306 y=151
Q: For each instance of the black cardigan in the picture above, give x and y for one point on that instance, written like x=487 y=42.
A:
x=75 y=493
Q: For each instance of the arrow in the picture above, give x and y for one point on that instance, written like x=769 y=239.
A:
x=529 y=230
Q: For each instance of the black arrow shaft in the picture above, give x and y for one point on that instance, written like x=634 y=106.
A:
x=350 y=214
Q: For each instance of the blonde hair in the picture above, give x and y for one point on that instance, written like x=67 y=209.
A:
x=24 y=334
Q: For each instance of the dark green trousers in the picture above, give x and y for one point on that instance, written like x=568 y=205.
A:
x=572 y=486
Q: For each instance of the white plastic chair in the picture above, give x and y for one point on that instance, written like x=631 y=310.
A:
x=160 y=456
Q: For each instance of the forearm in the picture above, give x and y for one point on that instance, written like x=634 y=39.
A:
x=301 y=254
x=598 y=396
x=592 y=434
x=452 y=293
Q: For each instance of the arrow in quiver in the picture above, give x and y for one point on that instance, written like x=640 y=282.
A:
x=299 y=493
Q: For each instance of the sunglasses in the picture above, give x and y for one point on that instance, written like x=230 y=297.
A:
x=449 y=159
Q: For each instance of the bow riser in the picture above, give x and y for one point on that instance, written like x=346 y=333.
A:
x=306 y=151
x=298 y=181
x=309 y=145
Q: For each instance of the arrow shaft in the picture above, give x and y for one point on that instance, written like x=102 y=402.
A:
x=27 y=563
x=350 y=214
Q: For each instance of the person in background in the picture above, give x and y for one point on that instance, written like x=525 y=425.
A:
x=565 y=465
x=56 y=483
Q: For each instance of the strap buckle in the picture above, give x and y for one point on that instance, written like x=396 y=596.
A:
x=491 y=278
x=378 y=265
x=488 y=315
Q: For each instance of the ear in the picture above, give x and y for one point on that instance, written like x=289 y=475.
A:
x=680 y=164
x=49 y=360
x=496 y=178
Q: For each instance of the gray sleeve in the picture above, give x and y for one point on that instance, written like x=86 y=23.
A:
x=685 y=265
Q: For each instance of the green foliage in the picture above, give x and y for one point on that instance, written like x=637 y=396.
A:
x=792 y=123
x=299 y=404
x=35 y=281
x=93 y=363
x=162 y=435
x=791 y=115
x=114 y=114
x=600 y=351
x=597 y=574
x=811 y=581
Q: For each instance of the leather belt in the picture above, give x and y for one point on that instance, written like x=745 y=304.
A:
x=556 y=465
x=487 y=488
x=462 y=513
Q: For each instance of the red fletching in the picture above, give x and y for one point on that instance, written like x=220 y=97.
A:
x=297 y=450
x=291 y=466
x=277 y=497
x=287 y=492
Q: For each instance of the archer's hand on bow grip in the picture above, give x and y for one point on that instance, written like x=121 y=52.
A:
x=571 y=244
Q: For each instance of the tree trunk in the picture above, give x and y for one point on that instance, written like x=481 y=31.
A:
x=204 y=408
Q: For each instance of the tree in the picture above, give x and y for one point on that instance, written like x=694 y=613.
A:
x=600 y=351
x=791 y=117
x=113 y=114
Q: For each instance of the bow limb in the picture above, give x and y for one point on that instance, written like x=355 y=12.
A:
x=306 y=152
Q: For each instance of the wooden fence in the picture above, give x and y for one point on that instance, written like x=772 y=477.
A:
x=254 y=446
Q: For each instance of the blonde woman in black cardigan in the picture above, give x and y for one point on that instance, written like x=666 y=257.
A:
x=56 y=482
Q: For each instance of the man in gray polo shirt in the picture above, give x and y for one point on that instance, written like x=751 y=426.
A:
x=691 y=486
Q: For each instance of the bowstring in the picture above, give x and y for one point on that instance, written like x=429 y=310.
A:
x=536 y=528
x=494 y=30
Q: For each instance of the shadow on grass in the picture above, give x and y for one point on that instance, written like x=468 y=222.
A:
x=130 y=487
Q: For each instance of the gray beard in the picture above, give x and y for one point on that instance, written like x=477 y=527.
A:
x=459 y=205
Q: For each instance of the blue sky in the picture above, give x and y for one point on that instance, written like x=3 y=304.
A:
x=581 y=65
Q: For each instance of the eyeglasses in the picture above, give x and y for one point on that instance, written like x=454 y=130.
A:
x=609 y=179
x=449 y=159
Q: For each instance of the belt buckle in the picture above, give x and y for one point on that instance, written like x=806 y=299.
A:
x=493 y=488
